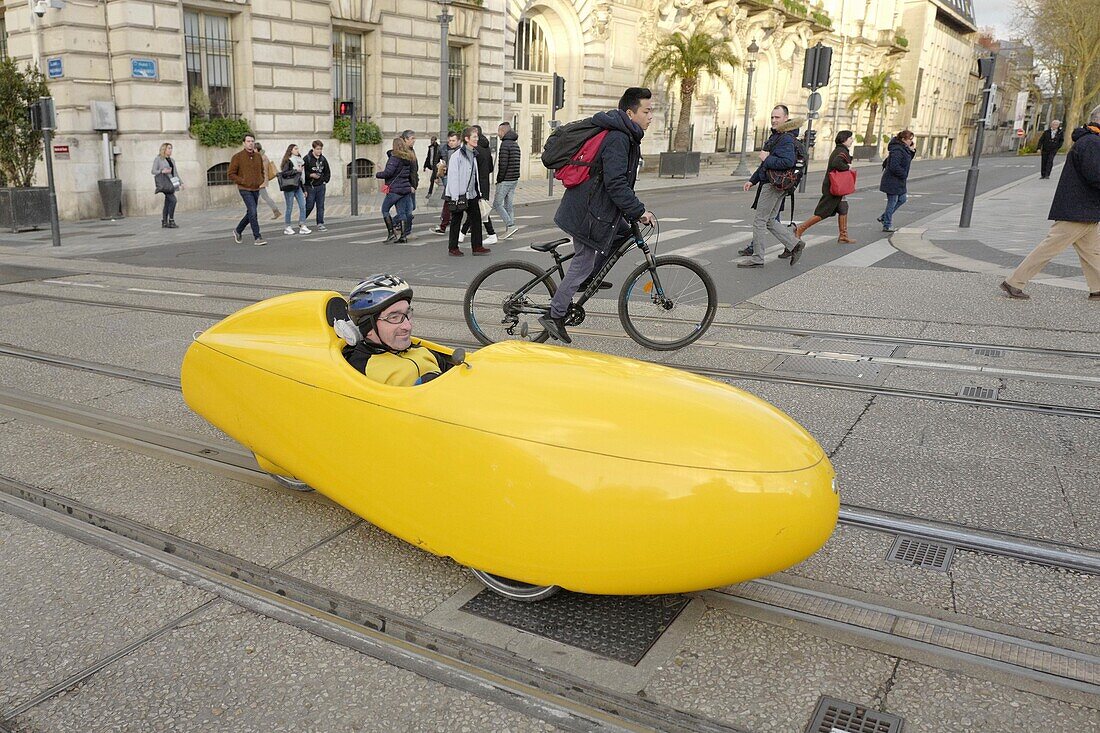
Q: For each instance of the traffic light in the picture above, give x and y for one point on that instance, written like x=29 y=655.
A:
x=347 y=109
x=811 y=138
x=42 y=114
x=559 y=92
x=816 y=67
x=985 y=66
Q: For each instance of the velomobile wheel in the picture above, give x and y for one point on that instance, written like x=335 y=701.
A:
x=514 y=589
x=494 y=315
x=290 y=483
x=675 y=317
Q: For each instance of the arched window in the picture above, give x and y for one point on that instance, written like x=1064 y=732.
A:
x=218 y=175
x=363 y=168
x=531 y=51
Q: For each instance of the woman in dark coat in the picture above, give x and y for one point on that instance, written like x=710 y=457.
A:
x=828 y=205
x=398 y=176
x=895 y=172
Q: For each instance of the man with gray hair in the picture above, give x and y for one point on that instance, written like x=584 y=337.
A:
x=1075 y=212
x=1050 y=142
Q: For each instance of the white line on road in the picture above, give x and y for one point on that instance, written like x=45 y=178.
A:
x=70 y=282
x=728 y=240
x=530 y=216
x=677 y=233
x=165 y=292
x=726 y=221
x=673 y=218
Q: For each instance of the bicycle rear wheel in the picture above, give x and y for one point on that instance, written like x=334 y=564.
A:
x=674 y=317
x=494 y=313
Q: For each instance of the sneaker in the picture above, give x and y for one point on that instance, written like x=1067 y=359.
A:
x=1014 y=292
x=303 y=229
x=289 y=231
x=260 y=242
x=556 y=328
x=879 y=218
x=437 y=230
x=490 y=239
x=455 y=253
x=322 y=228
x=746 y=252
x=888 y=230
x=750 y=263
x=797 y=251
x=236 y=236
x=511 y=231
x=276 y=214
x=482 y=251
x=785 y=254
x=1094 y=296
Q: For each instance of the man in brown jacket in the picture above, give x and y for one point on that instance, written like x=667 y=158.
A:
x=246 y=169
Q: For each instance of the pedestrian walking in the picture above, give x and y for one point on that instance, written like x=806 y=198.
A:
x=508 y=169
x=316 y=179
x=462 y=194
x=777 y=170
x=398 y=173
x=414 y=179
x=269 y=175
x=1050 y=142
x=431 y=162
x=1075 y=212
x=895 y=172
x=831 y=202
x=454 y=142
x=598 y=212
x=246 y=169
x=167 y=181
x=484 y=175
x=292 y=173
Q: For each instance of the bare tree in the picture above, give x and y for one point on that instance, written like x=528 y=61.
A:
x=1066 y=37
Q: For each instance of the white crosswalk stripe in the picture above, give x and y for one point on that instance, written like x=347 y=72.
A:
x=676 y=234
x=727 y=240
x=774 y=251
x=726 y=221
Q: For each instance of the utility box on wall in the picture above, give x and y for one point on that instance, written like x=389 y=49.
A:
x=104 y=118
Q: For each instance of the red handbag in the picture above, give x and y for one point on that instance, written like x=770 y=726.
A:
x=842 y=183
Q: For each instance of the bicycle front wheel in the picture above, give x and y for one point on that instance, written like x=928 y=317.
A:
x=495 y=312
x=669 y=306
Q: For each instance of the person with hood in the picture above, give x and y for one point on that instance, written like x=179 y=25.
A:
x=895 y=172
x=829 y=204
x=598 y=213
x=1050 y=142
x=508 y=169
x=1075 y=212
x=484 y=175
x=462 y=194
x=398 y=177
x=779 y=154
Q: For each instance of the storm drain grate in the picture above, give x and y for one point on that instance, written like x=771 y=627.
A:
x=838 y=716
x=622 y=628
x=856 y=371
x=842 y=346
x=921 y=554
x=979 y=393
x=986 y=351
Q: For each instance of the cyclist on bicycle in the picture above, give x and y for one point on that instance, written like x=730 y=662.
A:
x=598 y=213
x=381 y=309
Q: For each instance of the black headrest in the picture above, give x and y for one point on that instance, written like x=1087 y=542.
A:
x=336 y=310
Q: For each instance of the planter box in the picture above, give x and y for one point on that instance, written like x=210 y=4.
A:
x=679 y=164
x=24 y=208
x=864 y=152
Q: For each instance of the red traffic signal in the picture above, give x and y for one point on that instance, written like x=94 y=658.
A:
x=346 y=109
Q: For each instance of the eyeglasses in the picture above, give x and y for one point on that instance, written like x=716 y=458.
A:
x=396 y=319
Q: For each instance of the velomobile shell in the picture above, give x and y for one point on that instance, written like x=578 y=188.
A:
x=537 y=463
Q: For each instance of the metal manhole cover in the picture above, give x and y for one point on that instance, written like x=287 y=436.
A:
x=842 y=346
x=979 y=393
x=859 y=371
x=921 y=554
x=839 y=716
x=622 y=628
x=985 y=351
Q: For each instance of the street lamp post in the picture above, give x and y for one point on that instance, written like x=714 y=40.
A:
x=932 y=120
x=750 y=66
x=444 y=71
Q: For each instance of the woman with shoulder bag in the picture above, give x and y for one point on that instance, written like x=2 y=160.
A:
x=167 y=181
x=290 y=183
x=398 y=187
x=269 y=174
x=462 y=194
x=840 y=180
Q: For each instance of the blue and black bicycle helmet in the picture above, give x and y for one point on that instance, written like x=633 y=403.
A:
x=374 y=295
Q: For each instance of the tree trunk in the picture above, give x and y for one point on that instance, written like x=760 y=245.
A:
x=869 y=138
x=683 y=125
x=1073 y=111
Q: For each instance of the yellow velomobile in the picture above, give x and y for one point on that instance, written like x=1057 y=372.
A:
x=539 y=467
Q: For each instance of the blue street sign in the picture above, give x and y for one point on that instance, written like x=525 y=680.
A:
x=143 y=68
x=53 y=68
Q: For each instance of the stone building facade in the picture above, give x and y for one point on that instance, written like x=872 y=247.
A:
x=281 y=64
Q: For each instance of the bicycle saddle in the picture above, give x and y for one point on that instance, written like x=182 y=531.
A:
x=546 y=247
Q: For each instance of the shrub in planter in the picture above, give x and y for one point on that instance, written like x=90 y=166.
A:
x=20 y=146
x=219 y=132
x=366 y=133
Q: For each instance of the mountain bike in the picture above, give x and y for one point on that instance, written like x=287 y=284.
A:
x=666 y=303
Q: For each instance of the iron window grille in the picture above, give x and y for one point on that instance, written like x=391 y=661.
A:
x=208 y=49
x=3 y=36
x=531 y=51
x=218 y=175
x=364 y=168
x=349 y=62
x=456 y=82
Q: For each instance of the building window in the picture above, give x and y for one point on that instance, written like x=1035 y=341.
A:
x=218 y=175
x=209 y=52
x=348 y=62
x=3 y=37
x=531 y=51
x=456 y=88
x=536 y=134
x=364 y=168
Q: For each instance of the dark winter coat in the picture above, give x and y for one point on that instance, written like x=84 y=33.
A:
x=1078 y=194
x=782 y=153
x=839 y=160
x=599 y=211
x=895 y=169
x=432 y=158
x=484 y=165
x=1050 y=144
x=398 y=174
x=316 y=165
x=508 y=157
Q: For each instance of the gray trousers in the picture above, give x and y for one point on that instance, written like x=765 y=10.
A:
x=584 y=263
x=267 y=199
x=767 y=207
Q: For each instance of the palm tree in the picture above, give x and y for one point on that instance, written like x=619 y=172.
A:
x=873 y=90
x=682 y=59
